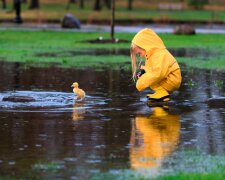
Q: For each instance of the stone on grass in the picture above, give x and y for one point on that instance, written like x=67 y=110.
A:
x=69 y=21
x=185 y=29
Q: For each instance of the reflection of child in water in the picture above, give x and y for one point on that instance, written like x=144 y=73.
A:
x=153 y=138
x=161 y=71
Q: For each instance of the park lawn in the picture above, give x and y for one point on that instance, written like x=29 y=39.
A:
x=142 y=11
x=44 y=48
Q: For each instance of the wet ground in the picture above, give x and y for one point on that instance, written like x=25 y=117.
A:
x=113 y=129
x=178 y=52
x=159 y=28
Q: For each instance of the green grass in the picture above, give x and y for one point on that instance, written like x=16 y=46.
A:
x=182 y=165
x=180 y=176
x=185 y=165
x=194 y=176
x=26 y=46
x=142 y=11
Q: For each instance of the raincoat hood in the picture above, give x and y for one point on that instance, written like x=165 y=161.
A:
x=148 y=40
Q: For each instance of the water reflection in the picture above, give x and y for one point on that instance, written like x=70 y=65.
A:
x=100 y=137
x=153 y=138
x=178 y=52
x=78 y=111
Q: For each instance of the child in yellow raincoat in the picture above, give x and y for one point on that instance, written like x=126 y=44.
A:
x=161 y=71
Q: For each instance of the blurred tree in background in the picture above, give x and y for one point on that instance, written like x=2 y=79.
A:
x=198 y=4
x=34 y=4
x=98 y=5
x=130 y=7
x=74 y=2
x=81 y=4
x=94 y=11
x=3 y=4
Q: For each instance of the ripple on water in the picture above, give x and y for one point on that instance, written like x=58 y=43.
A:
x=70 y=159
x=48 y=101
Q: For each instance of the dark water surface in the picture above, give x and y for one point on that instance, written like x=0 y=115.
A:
x=112 y=129
x=178 y=52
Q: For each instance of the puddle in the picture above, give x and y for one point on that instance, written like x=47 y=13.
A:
x=113 y=131
x=46 y=101
x=178 y=52
x=96 y=52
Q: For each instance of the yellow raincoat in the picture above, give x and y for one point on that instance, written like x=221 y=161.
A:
x=153 y=138
x=162 y=69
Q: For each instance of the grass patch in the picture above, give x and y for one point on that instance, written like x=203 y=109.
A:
x=142 y=10
x=194 y=176
x=24 y=46
x=182 y=165
x=211 y=63
x=185 y=165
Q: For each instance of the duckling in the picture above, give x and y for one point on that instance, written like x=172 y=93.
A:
x=80 y=94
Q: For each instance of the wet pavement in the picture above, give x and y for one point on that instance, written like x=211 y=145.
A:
x=113 y=129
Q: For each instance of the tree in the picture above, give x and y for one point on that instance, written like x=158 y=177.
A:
x=3 y=4
x=112 y=18
x=34 y=4
x=97 y=4
x=81 y=4
x=108 y=3
x=17 y=7
x=198 y=4
x=130 y=7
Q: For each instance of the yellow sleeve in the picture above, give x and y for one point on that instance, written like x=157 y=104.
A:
x=155 y=73
x=143 y=82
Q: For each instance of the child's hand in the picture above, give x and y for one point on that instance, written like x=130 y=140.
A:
x=142 y=67
x=140 y=73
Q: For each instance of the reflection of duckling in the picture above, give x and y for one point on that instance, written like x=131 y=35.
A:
x=78 y=111
x=80 y=94
x=153 y=138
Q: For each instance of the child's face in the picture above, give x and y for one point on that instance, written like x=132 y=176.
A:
x=140 y=52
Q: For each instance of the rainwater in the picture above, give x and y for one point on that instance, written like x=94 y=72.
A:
x=113 y=129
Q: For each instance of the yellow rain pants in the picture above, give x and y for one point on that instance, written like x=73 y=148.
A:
x=153 y=138
x=161 y=68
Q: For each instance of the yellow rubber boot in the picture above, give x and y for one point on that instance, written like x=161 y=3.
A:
x=160 y=94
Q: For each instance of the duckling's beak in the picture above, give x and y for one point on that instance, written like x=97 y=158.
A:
x=72 y=85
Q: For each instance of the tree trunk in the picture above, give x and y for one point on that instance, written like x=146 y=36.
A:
x=17 y=7
x=34 y=4
x=112 y=18
x=130 y=7
x=108 y=3
x=81 y=4
x=3 y=4
x=97 y=5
